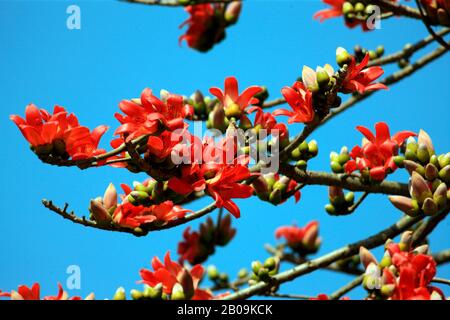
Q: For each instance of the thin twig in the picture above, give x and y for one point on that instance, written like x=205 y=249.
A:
x=347 y=288
x=427 y=23
x=358 y=203
x=441 y=280
x=426 y=228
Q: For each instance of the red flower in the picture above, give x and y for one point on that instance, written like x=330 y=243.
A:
x=83 y=144
x=203 y=31
x=33 y=293
x=359 y=78
x=233 y=102
x=58 y=133
x=226 y=185
x=189 y=249
x=130 y=216
x=304 y=239
x=334 y=11
x=171 y=273
x=151 y=115
x=377 y=152
x=215 y=173
x=299 y=99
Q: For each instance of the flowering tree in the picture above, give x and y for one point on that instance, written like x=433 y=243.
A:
x=249 y=153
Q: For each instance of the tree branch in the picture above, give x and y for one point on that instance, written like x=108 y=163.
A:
x=347 y=288
x=324 y=261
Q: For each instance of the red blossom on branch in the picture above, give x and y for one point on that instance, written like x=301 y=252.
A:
x=303 y=240
x=300 y=100
x=150 y=115
x=234 y=103
x=58 y=134
x=171 y=274
x=377 y=151
x=26 y=293
x=359 y=78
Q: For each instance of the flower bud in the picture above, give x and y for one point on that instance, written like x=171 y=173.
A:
x=444 y=160
x=366 y=257
x=263 y=274
x=242 y=273
x=347 y=8
x=359 y=7
x=342 y=56
x=422 y=153
x=139 y=196
x=330 y=209
x=261 y=187
x=99 y=213
x=405 y=204
x=380 y=51
x=405 y=240
x=425 y=139
x=412 y=166
x=323 y=78
x=136 y=295
x=120 y=294
x=336 y=167
x=429 y=207
x=350 y=198
x=398 y=160
x=313 y=149
x=386 y=261
x=419 y=188
x=387 y=290
x=423 y=249
x=431 y=172
x=444 y=174
x=256 y=266
x=213 y=273
x=233 y=11
x=301 y=164
x=177 y=292
x=334 y=156
x=440 y=195
x=270 y=263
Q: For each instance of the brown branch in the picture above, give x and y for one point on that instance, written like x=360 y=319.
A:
x=442 y=257
x=141 y=231
x=426 y=228
x=349 y=182
x=426 y=21
x=324 y=261
x=398 y=9
x=347 y=288
x=407 y=52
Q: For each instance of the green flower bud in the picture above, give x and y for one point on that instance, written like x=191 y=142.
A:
x=136 y=295
x=410 y=155
x=372 y=55
x=323 y=78
x=120 y=294
x=242 y=273
x=263 y=274
x=370 y=9
x=330 y=209
x=270 y=263
x=296 y=154
x=275 y=197
x=386 y=261
x=398 y=160
x=440 y=196
x=343 y=158
x=301 y=164
x=359 y=7
x=256 y=266
x=387 y=290
x=434 y=160
x=336 y=167
x=342 y=56
x=380 y=51
x=347 y=8
x=233 y=111
x=422 y=153
x=334 y=156
x=177 y=292
x=313 y=148
x=303 y=147
x=213 y=273
x=444 y=160
x=139 y=196
x=350 y=198
x=444 y=174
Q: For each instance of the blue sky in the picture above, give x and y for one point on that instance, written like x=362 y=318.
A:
x=123 y=48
